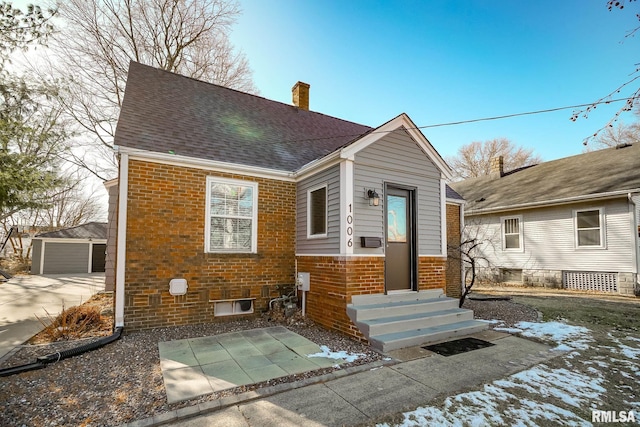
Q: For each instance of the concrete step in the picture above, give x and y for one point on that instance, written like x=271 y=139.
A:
x=358 y=313
x=419 y=320
x=396 y=297
x=424 y=336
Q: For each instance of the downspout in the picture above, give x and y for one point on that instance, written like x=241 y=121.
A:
x=121 y=245
x=462 y=270
x=634 y=231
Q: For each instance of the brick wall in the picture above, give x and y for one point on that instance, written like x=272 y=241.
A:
x=165 y=240
x=333 y=281
x=431 y=273
x=454 y=263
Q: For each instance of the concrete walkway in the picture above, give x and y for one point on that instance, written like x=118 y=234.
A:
x=347 y=397
x=24 y=297
x=197 y=366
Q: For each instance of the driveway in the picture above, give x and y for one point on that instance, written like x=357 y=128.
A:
x=24 y=297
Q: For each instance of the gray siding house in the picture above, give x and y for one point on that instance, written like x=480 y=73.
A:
x=237 y=197
x=572 y=222
x=79 y=249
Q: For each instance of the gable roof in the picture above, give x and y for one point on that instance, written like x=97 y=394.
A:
x=90 y=230
x=587 y=176
x=168 y=113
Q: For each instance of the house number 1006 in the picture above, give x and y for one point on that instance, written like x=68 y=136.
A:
x=350 y=228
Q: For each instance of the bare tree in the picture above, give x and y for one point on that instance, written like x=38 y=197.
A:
x=474 y=159
x=632 y=98
x=98 y=39
x=620 y=134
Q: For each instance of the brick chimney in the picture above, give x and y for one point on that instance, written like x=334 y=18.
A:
x=300 y=92
x=496 y=167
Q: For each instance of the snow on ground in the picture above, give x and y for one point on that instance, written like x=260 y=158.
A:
x=549 y=394
x=326 y=352
x=567 y=337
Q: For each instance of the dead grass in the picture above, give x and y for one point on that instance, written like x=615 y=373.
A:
x=91 y=319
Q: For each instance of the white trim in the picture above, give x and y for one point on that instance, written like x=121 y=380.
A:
x=326 y=211
x=462 y=270
x=210 y=165
x=601 y=219
x=432 y=256
x=346 y=202
x=121 y=245
x=402 y=120
x=254 y=215
x=317 y=166
x=42 y=257
x=345 y=255
x=110 y=183
x=90 y=257
x=554 y=202
x=503 y=236
x=443 y=217
x=634 y=233
x=70 y=240
x=455 y=201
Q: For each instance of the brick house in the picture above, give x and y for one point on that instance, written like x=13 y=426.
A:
x=231 y=195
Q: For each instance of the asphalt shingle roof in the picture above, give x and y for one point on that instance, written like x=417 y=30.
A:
x=168 y=113
x=90 y=230
x=593 y=173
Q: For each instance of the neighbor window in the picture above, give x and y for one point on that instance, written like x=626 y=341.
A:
x=231 y=216
x=512 y=233
x=317 y=212
x=589 y=230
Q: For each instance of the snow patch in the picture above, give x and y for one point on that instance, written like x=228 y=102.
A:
x=568 y=337
x=327 y=353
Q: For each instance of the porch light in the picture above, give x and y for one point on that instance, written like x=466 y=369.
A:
x=374 y=198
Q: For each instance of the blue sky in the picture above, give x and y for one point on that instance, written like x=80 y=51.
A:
x=446 y=61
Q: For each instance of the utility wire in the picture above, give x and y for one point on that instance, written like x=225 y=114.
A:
x=483 y=119
x=528 y=113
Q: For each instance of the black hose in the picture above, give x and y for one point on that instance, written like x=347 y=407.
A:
x=43 y=361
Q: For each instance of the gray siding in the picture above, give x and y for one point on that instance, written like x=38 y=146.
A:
x=35 y=256
x=397 y=159
x=66 y=258
x=549 y=239
x=330 y=244
x=110 y=260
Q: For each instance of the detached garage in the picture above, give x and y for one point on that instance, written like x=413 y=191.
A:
x=78 y=249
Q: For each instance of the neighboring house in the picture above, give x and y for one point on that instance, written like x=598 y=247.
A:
x=225 y=197
x=571 y=222
x=79 y=249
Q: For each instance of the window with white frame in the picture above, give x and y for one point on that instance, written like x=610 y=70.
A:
x=512 y=233
x=317 y=212
x=589 y=228
x=231 y=216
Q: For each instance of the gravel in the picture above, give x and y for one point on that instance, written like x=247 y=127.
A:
x=122 y=382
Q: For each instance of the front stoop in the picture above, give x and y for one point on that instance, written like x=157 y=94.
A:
x=409 y=319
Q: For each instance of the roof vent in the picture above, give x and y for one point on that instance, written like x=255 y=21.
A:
x=623 y=145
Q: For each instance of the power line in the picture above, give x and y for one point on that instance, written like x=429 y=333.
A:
x=528 y=113
x=483 y=119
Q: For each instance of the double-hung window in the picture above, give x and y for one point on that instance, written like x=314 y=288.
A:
x=317 y=212
x=231 y=216
x=589 y=228
x=511 y=233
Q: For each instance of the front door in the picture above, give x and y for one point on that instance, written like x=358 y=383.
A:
x=399 y=253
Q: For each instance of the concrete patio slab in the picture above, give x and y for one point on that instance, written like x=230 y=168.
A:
x=196 y=366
